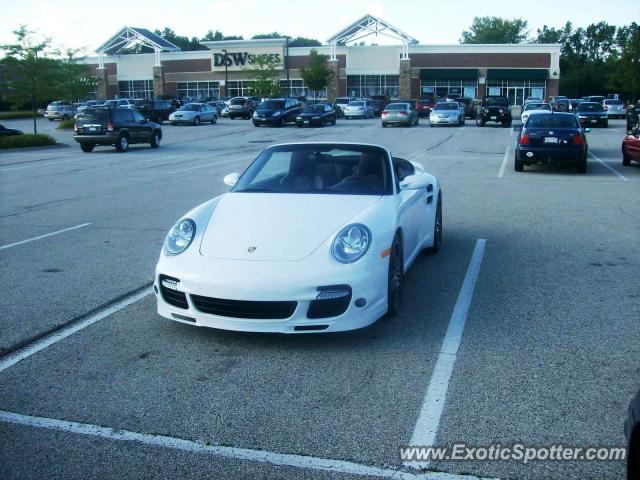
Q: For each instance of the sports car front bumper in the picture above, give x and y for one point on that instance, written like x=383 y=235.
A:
x=246 y=282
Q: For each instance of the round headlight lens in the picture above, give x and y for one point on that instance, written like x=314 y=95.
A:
x=180 y=237
x=351 y=243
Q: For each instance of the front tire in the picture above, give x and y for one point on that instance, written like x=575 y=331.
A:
x=196 y=121
x=155 y=140
x=395 y=282
x=214 y=120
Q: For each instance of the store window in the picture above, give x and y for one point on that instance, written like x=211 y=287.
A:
x=517 y=90
x=449 y=88
x=134 y=89
x=239 y=88
x=204 y=91
x=362 y=86
x=297 y=88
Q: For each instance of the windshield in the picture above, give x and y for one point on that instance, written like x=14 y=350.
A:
x=272 y=105
x=141 y=103
x=613 y=102
x=190 y=107
x=538 y=106
x=356 y=104
x=111 y=103
x=547 y=120
x=333 y=169
x=398 y=106
x=238 y=101
x=314 y=109
x=590 y=107
x=342 y=101
x=496 y=101
x=447 y=106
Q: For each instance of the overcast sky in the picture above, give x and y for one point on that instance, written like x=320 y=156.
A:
x=75 y=24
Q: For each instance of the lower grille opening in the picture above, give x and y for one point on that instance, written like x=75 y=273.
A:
x=331 y=302
x=244 y=309
x=310 y=328
x=172 y=297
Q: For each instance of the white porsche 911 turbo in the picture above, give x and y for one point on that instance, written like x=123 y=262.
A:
x=313 y=237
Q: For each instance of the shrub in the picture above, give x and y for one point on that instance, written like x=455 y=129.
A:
x=29 y=140
x=66 y=124
x=17 y=114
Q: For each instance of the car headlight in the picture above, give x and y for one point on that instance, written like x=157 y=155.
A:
x=255 y=114
x=351 y=243
x=180 y=237
x=315 y=118
x=277 y=113
x=500 y=111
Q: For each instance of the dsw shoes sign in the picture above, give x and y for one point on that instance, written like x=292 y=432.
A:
x=244 y=59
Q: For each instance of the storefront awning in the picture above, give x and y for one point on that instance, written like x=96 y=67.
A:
x=517 y=74
x=448 y=74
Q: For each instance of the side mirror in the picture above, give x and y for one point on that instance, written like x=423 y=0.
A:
x=587 y=130
x=231 y=179
x=414 y=182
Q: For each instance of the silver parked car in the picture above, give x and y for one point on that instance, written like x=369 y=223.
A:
x=446 y=113
x=615 y=108
x=358 y=109
x=194 y=114
x=399 y=114
x=59 y=112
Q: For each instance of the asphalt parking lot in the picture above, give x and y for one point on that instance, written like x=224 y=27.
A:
x=548 y=353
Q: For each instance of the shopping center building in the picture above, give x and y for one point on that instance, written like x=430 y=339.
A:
x=404 y=70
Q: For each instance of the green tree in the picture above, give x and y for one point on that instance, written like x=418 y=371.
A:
x=626 y=71
x=261 y=36
x=75 y=79
x=304 y=42
x=265 y=73
x=495 y=30
x=316 y=74
x=30 y=75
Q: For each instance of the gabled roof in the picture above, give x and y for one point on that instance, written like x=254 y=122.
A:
x=369 y=25
x=131 y=36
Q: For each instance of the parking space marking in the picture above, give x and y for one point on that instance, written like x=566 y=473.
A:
x=432 y=147
x=503 y=165
x=39 y=237
x=611 y=169
x=426 y=429
x=54 y=337
x=244 y=454
x=231 y=160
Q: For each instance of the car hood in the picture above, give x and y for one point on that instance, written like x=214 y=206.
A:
x=277 y=227
x=310 y=114
x=268 y=112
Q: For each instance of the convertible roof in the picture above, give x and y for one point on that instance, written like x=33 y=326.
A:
x=131 y=36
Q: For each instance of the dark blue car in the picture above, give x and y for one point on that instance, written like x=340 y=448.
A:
x=552 y=138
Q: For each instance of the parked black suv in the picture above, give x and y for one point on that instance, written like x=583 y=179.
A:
x=277 y=112
x=120 y=127
x=155 y=110
x=494 y=109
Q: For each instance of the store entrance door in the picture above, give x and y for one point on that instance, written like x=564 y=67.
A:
x=516 y=95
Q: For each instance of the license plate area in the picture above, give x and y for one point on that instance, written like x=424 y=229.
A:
x=493 y=117
x=550 y=140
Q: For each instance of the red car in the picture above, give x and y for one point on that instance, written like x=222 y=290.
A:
x=631 y=148
x=424 y=106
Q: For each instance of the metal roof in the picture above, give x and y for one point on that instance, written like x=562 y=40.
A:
x=131 y=36
x=369 y=25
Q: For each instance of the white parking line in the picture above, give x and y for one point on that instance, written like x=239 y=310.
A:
x=613 y=170
x=243 y=454
x=44 y=236
x=426 y=429
x=504 y=163
x=48 y=340
x=232 y=160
